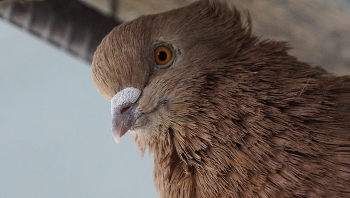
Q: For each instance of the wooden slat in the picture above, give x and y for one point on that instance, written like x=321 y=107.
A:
x=69 y=25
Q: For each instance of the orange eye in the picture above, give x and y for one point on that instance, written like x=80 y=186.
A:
x=162 y=55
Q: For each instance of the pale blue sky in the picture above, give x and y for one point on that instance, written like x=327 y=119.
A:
x=55 y=138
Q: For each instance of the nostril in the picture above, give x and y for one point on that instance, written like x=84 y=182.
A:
x=124 y=109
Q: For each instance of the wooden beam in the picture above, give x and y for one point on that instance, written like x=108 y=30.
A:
x=70 y=25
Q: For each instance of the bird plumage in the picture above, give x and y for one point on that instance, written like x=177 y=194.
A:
x=233 y=115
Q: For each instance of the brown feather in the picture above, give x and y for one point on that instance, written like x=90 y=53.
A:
x=233 y=116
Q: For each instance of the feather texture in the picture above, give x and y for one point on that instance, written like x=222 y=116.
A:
x=233 y=116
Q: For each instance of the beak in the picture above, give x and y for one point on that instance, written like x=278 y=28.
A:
x=124 y=111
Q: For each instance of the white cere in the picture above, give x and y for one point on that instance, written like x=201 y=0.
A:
x=124 y=97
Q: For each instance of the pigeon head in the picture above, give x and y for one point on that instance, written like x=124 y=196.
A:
x=164 y=58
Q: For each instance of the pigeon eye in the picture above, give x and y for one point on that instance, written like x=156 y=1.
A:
x=163 y=55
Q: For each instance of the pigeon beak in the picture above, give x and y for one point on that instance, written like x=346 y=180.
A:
x=124 y=111
x=119 y=127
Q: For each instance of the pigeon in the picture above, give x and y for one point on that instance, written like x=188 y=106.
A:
x=225 y=113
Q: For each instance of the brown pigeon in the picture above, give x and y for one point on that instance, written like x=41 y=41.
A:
x=225 y=113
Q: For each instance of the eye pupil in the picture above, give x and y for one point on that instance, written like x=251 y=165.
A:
x=162 y=56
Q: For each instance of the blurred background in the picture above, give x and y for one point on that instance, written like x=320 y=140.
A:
x=55 y=138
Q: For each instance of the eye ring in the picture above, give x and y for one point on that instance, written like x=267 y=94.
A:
x=163 y=55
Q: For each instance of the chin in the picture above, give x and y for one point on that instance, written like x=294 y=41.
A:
x=142 y=136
